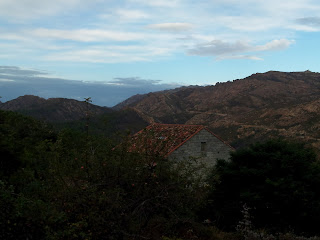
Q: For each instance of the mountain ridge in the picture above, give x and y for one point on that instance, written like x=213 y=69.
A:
x=53 y=109
x=261 y=106
x=271 y=104
x=74 y=114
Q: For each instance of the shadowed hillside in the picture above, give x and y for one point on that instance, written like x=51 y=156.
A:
x=62 y=112
x=52 y=109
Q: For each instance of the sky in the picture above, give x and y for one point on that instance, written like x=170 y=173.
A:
x=113 y=49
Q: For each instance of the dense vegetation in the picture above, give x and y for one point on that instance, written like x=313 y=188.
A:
x=69 y=185
x=72 y=185
x=278 y=181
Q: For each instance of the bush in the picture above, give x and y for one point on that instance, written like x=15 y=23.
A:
x=278 y=180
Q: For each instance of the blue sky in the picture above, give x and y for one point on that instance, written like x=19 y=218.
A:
x=124 y=47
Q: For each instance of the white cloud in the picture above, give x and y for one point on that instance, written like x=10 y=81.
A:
x=304 y=28
x=125 y=15
x=234 y=50
x=224 y=57
x=18 y=71
x=6 y=80
x=158 y=3
x=218 y=47
x=172 y=27
x=132 y=14
x=86 y=35
x=119 y=31
x=89 y=45
x=133 y=81
x=111 y=54
x=93 y=56
x=274 y=45
x=33 y=9
x=248 y=23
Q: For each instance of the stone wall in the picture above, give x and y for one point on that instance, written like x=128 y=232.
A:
x=203 y=146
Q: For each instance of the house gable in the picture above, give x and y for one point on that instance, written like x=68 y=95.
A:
x=203 y=146
x=180 y=142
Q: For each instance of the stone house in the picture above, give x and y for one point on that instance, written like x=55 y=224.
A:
x=180 y=142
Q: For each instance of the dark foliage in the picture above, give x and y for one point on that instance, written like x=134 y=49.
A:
x=73 y=185
x=279 y=181
x=70 y=185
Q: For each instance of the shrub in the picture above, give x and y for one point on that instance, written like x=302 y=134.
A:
x=278 y=180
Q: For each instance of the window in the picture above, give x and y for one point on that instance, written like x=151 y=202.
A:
x=203 y=146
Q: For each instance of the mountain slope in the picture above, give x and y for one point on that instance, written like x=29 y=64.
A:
x=272 y=104
x=71 y=113
x=53 y=109
x=264 y=105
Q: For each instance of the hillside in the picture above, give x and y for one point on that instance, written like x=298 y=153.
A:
x=53 y=109
x=243 y=111
x=62 y=112
x=272 y=104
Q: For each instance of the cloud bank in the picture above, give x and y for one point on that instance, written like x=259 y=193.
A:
x=15 y=81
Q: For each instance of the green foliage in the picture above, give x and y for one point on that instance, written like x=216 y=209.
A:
x=108 y=124
x=278 y=180
x=21 y=140
x=112 y=194
x=71 y=185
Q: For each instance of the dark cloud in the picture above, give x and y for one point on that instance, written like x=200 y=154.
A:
x=310 y=21
x=15 y=82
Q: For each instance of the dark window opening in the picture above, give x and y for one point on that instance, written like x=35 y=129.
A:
x=203 y=146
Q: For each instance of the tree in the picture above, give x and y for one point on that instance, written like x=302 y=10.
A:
x=73 y=185
x=278 y=180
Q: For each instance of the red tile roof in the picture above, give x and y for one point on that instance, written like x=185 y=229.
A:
x=162 y=139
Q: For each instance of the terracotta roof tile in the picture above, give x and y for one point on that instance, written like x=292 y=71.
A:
x=162 y=139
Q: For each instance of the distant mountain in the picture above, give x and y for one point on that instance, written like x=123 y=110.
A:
x=243 y=111
x=271 y=104
x=53 y=109
x=129 y=101
x=138 y=97
x=62 y=112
